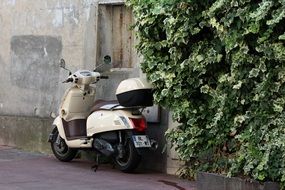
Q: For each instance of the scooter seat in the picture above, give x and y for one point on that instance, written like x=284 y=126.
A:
x=104 y=105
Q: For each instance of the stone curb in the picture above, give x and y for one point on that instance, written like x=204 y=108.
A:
x=210 y=181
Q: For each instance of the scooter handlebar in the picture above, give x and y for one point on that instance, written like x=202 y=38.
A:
x=68 y=80
x=104 y=77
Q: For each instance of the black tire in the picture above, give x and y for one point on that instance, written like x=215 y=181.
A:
x=62 y=152
x=130 y=160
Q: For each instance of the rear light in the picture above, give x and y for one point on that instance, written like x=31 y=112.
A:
x=139 y=124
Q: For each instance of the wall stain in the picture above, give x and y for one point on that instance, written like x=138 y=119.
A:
x=34 y=61
x=2 y=99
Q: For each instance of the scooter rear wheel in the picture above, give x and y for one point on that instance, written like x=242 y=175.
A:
x=61 y=151
x=130 y=160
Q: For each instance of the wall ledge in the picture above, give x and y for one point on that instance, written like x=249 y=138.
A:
x=211 y=181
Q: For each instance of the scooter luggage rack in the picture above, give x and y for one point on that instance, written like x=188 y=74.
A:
x=118 y=107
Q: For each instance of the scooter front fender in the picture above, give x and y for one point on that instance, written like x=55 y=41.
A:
x=58 y=124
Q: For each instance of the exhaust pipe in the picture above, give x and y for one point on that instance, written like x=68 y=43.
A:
x=103 y=146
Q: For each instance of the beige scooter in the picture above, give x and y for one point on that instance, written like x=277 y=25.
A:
x=113 y=128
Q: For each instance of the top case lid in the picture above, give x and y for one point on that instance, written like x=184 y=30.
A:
x=133 y=84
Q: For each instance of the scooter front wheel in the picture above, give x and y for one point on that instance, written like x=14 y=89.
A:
x=130 y=159
x=59 y=148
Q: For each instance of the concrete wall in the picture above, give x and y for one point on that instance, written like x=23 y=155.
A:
x=34 y=35
x=172 y=160
x=29 y=133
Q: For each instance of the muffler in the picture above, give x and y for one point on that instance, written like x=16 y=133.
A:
x=103 y=147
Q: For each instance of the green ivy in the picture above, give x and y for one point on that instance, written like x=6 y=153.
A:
x=219 y=65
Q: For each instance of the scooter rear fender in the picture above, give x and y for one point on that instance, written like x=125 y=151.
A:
x=141 y=151
x=110 y=120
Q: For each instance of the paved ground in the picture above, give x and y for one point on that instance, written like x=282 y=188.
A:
x=28 y=171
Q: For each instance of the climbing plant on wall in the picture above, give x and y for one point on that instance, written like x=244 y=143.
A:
x=220 y=67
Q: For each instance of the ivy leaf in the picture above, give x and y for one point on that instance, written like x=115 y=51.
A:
x=253 y=73
x=205 y=89
x=199 y=58
x=164 y=92
x=282 y=37
x=238 y=85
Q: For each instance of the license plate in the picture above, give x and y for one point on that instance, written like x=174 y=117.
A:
x=141 y=141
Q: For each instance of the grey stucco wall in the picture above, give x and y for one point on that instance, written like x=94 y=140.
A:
x=33 y=37
x=34 y=67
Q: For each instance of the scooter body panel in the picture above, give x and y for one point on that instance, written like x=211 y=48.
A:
x=79 y=143
x=109 y=120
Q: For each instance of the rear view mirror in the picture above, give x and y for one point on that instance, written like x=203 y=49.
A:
x=107 y=59
x=105 y=65
x=62 y=65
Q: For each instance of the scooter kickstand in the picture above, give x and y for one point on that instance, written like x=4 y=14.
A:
x=95 y=166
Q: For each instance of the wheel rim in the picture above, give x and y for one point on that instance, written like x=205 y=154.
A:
x=127 y=156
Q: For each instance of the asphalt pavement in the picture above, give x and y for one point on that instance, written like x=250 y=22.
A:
x=20 y=170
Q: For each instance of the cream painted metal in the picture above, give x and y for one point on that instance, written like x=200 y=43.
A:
x=133 y=84
x=76 y=105
x=78 y=100
x=101 y=121
x=76 y=143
